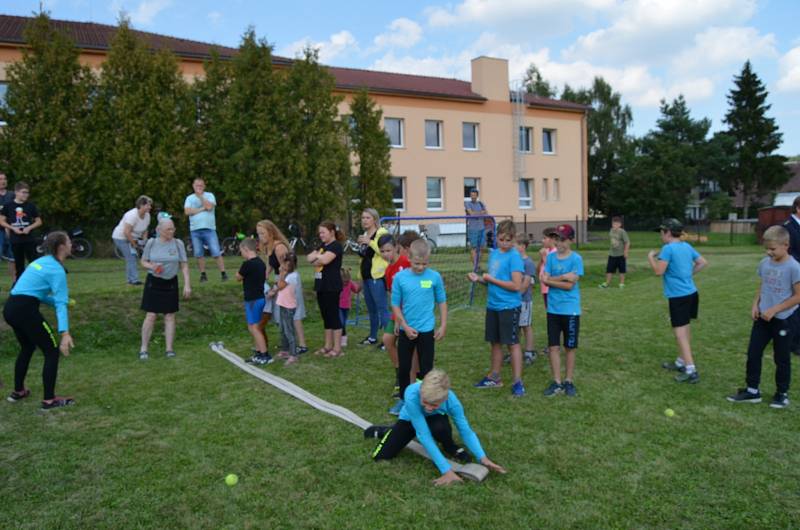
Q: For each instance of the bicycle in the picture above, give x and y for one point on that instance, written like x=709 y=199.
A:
x=423 y=234
x=296 y=237
x=81 y=247
x=230 y=245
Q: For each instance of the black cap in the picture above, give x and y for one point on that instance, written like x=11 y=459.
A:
x=671 y=225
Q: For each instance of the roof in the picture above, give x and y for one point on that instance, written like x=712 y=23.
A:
x=92 y=36
x=793 y=184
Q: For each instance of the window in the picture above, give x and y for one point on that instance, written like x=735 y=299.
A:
x=549 y=141
x=545 y=189
x=398 y=193
x=433 y=134
x=471 y=183
x=394 y=130
x=556 y=189
x=525 y=134
x=435 y=193
x=469 y=136
x=525 y=188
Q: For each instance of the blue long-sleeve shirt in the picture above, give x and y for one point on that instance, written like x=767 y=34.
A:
x=46 y=279
x=414 y=412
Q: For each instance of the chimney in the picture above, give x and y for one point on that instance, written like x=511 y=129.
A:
x=490 y=78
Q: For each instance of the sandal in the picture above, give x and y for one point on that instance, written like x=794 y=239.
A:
x=333 y=354
x=323 y=351
x=57 y=402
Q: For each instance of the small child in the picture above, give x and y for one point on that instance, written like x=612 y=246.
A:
x=562 y=272
x=526 y=312
x=397 y=258
x=677 y=263
x=285 y=292
x=773 y=308
x=503 y=307
x=251 y=274
x=416 y=292
x=346 y=300
x=548 y=247
x=618 y=253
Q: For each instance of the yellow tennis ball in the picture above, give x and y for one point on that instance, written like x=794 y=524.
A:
x=231 y=480
x=72 y=302
x=669 y=413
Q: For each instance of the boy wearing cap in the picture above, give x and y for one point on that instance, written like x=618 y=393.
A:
x=677 y=263
x=562 y=271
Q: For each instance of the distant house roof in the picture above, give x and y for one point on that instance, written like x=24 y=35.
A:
x=91 y=36
x=793 y=185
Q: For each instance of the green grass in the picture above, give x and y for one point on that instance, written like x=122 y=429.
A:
x=149 y=444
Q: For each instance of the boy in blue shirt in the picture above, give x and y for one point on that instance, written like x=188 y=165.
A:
x=504 y=279
x=415 y=293
x=561 y=273
x=773 y=309
x=677 y=263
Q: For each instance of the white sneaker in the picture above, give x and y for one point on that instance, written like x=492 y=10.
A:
x=343 y=342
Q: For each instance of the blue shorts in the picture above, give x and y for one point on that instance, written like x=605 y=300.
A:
x=476 y=238
x=253 y=310
x=205 y=237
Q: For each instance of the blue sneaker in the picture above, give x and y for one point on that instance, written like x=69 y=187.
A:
x=553 y=389
x=569 y=389
x=397 y=407
x=518 y=389
x=488 y=382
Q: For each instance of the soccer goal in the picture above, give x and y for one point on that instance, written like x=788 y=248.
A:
x=451 y=251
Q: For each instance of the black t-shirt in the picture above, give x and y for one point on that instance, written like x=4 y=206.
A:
x=254 y=272
x=367 y=253
x=329 y=277
x=8 y=196
x=20 y=216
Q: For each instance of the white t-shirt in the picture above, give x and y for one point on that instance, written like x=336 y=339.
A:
x=132 y=218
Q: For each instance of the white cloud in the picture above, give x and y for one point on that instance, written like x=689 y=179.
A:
x=214 y=17
x=403 y=33
x=147 y=10
x=649 y=29
x=494 y=11
x=338 y=44
x=717 y=48
x=790 y=71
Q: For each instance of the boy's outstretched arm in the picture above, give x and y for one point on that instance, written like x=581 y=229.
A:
x=699 y=264
x=659 y=266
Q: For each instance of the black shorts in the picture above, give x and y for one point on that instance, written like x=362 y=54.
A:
x=502 y=327
x=616 y=264
x=328 y=302
x=683 y=309
x=160 y=296
x=566 y=326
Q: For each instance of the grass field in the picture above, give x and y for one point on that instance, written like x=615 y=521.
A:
x=149 y=443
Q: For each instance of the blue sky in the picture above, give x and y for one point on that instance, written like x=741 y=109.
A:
x=647 y=49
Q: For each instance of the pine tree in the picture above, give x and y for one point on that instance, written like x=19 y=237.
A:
x=142 y=116
x=46 y=113
x=372 y=160
x=755 y=169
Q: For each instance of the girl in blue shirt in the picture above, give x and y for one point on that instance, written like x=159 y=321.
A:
x=44 y=280
x=425 y=415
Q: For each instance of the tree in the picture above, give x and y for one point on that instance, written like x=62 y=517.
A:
x=46 y=113
x=534 y=83
x=755 y=137
x=371 y=153
x=669 y=162
x=608 y=141
x=142 y=115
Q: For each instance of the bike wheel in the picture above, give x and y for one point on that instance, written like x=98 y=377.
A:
x=432 y=245
x=230 y=246
x=81 y=248
x=187 y=243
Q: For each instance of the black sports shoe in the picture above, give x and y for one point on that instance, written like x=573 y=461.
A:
x=203 y=277
x=15 y=396
x=369 y=341
x=461 y=456
x=223 y=276
x=685 y=377
x=301 y=350
x=569 y=389
x=779 y=401
x=743 y=396
x=376 y=431
x=672 y=367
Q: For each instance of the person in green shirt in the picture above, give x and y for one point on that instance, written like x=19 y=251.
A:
x=618 y=253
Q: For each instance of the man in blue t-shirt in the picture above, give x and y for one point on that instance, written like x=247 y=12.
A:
x=677 y=263
x=476 y=230
x=562 y=271
x=415 y=294
x=504 y=279
x=199 y=207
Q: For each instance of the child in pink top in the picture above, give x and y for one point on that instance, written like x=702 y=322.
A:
x=285 y=292
x=345 y=300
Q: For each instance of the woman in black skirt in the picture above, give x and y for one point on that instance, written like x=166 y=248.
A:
x=163 y=256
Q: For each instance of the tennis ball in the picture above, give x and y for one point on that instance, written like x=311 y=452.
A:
x=669 y=413
x=231 y=480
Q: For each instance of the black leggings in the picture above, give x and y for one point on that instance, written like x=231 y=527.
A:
x=23 y=251
x=405 y=353
x=780 y=332
x=328 y=302
x=32 y=331
x=403 y=432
